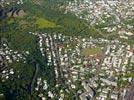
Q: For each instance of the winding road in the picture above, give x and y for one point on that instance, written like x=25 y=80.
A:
x=34 y=77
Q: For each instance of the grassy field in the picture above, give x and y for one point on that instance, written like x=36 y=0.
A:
x=91 y=51
x=10 y=21
x=43 y=23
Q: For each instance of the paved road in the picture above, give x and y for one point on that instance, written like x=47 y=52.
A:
x=130 y=94
x=34 y=77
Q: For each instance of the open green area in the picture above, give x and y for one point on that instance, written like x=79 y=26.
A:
x=44 y=23
x=91 y=51
x=10 y=21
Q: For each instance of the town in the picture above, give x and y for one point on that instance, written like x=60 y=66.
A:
x=100 y=65
x=66 y=50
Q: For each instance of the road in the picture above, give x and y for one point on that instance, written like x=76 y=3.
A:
x=130 y=94
x=34 y=77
